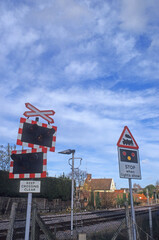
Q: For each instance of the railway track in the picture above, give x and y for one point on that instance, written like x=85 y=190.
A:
x=62 y=222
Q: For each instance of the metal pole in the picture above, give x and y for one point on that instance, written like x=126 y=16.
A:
x=27 y=226
x=156 y=197
x=150 y=222
x=72 y=194
x=128 y=220
x=132 y=211
x=147 y=194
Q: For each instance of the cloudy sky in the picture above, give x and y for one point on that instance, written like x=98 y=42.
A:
x=95 y=63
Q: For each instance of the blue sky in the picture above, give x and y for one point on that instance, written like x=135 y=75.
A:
x=95 y=63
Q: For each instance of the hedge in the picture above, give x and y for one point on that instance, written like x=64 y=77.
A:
x=51 y=188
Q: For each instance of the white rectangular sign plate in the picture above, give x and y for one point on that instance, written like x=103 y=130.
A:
x=129 y=164
x=30 y=186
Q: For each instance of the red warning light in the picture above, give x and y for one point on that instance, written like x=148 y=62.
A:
x=124 y=153
x=133 y=154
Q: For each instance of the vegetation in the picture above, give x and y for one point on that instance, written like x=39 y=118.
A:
x=8 y=188
x=91 y=201
x=5 y=152
x=107 y=200
x=98 y=201
x=121 y=200
x=79 y=176
x=51 y=188
x=150 y=189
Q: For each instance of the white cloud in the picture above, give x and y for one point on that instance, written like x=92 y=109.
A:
x=88 y=113
x=78 y=70
x=80 y=58
x=133 y=15
x=145 y=161
x=125 y=47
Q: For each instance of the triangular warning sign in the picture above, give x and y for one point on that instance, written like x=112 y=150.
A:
x=127 y=140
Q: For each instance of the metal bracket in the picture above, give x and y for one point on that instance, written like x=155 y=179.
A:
x=75 y=158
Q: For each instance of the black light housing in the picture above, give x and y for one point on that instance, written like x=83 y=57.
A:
x=28 y=163
x=34 y=134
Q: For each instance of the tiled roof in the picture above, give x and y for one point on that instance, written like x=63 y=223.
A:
x=99 y=184
x=119 y=191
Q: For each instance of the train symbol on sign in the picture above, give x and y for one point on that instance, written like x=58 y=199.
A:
x=128 y=136
x=127 y=142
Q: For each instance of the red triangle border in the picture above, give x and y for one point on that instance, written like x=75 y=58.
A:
x=131 y=147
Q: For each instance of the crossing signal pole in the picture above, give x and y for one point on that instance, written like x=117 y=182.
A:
x=31 y=163
x=129 y=165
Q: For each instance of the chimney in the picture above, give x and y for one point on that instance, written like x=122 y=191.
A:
x=89 y=176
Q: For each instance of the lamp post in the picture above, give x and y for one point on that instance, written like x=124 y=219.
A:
x=69 y=151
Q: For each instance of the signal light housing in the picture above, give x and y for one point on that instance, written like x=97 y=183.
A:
x=36 y=135
x=28 y=164
x=128 y=155
x=32 y=133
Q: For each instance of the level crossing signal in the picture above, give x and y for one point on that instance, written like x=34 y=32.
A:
x=41 y=137
x=32 y=133
x=30 y=163
x=27 y=163
x=36 y=135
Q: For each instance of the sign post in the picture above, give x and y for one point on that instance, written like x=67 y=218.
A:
x=29 y=187
x=27 y=225
x=129 y=165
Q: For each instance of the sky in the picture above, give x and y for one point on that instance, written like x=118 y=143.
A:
x=96 y=64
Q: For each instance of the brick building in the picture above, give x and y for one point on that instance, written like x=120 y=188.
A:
x=92 y=185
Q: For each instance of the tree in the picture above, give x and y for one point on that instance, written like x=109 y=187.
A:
x=91 y=201
x=5 y=152
x=151 y=189
x=137 y=187
x=63 y=176
x=79 y=176
x=97 y=199
x=121 y=200
x=157 y=189
x=157 y=183
x=107 y=200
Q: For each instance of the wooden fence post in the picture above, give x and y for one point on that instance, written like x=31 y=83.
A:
x=48 y=234
x=11 y=223
x=35 y=230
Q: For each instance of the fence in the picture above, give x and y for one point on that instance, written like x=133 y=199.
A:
x=118 y=229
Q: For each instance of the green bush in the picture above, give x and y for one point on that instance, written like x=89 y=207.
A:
x=53 y=188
